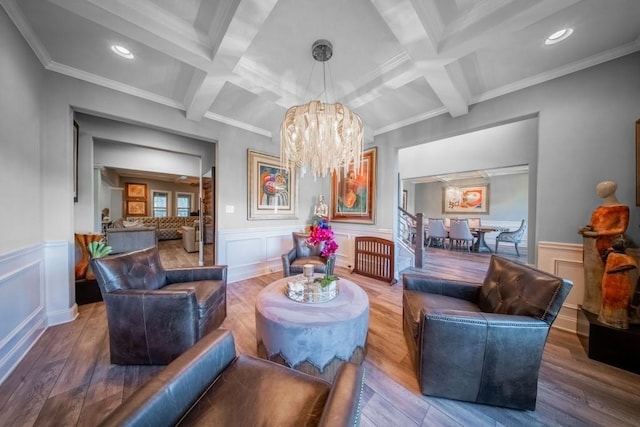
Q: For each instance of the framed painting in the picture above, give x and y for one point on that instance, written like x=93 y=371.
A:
x=405 y=196
x=136 y=191
x=469 y=199
x=273 y=190
x=353 y=194
x=136 y=208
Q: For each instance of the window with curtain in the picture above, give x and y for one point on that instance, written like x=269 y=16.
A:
x=183 y=203
x=160 y=203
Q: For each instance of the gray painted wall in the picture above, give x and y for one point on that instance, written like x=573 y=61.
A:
x=21 y=98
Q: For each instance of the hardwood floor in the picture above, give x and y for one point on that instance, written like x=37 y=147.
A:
x=66 y=378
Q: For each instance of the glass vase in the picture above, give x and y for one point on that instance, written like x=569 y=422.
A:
x=331 y=263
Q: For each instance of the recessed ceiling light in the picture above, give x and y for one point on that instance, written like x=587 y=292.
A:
x=122 y=51
x=558 y=36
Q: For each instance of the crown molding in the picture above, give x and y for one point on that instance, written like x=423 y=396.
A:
x=112 y=84
x=589 y=62
x=237 y=123
x=12 y=9
x=411 y=120
x=592 y=61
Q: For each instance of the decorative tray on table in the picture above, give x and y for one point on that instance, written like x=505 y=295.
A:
x=305 y=290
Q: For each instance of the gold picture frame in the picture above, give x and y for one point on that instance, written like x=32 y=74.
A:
x=136 y=191
x=136 y=208
x=353 y=196
x=273 y=190
x=469 y=199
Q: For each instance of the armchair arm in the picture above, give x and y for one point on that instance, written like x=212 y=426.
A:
x=193 y=274
x=287 y=259
x=452 y=288
x=167 y=396
x=344 y=402
x=152 y=326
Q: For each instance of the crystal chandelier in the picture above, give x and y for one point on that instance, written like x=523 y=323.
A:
x=321 y=135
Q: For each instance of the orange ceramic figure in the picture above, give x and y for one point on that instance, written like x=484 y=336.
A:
x=616 y=290
x=609 y=219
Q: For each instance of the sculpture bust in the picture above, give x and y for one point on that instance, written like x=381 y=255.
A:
x=608 y=220
x=321 y=210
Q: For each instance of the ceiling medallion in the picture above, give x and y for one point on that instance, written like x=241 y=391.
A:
x=320 y=135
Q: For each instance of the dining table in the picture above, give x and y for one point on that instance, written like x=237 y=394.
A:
x=480 y=244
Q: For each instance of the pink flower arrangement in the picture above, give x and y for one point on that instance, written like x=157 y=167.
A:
x=322 y=233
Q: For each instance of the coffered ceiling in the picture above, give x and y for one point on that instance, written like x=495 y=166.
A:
x=395 y=62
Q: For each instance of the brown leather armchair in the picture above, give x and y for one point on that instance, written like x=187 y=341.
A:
x=303 y=253
x=210 y=385
x=155 y=314
x=482 y=342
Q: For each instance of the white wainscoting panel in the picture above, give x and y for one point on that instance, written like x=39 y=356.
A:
x=251 y=252
x=22 y=304
x=345 y=235
x=565 y=260
x=256 y=251
x=59 y=277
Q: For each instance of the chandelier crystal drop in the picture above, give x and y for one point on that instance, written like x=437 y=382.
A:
x=320 y=135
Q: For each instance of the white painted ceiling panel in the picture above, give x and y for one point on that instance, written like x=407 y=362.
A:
x=396 y=62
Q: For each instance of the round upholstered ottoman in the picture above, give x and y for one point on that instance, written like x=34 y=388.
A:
x=313 y=338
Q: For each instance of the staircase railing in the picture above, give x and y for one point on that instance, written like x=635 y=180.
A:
x=407 y=226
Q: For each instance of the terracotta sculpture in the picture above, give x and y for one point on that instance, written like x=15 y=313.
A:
x=608 y=220
x=617 y=286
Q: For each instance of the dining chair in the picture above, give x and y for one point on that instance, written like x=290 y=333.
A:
x=437 y=232
x=474 y=222
x=514 y=237
x=460 y=234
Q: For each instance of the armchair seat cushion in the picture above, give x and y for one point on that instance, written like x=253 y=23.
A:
x=416 y=302
x=231 y=401
x=209 y=294
x=303 y=253
x=317 y=261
